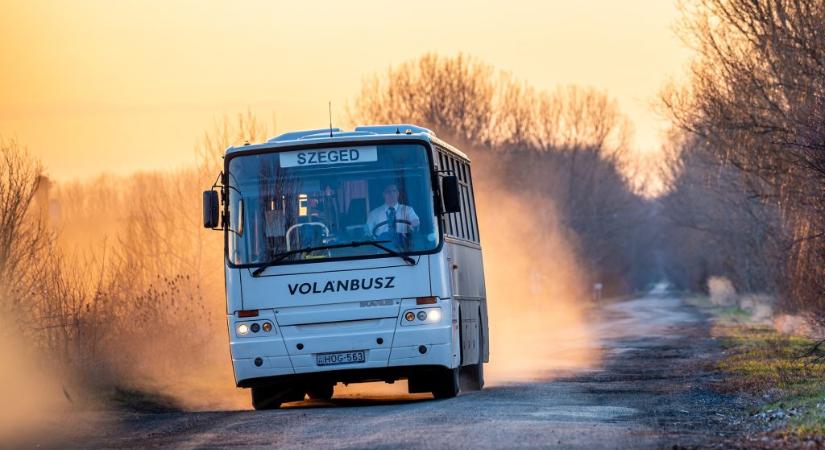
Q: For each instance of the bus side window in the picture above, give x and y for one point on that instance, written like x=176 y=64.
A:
x=471 y=210
x=447 y=219
x=465 y=210
x=463 y=225
x=459 y=218
x=467 y=206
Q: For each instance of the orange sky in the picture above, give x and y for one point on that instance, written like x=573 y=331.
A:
x=119 y=86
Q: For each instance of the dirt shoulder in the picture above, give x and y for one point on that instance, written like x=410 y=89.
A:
x=663 y=366
x=780 y=376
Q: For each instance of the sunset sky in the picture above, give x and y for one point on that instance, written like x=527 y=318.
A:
x=94 y=86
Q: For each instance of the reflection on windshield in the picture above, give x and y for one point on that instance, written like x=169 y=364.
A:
x=293 y=200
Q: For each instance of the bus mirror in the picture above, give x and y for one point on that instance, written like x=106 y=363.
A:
x=210 y=209
x=450 y=195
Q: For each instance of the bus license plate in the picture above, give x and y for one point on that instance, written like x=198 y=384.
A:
x=331 y=359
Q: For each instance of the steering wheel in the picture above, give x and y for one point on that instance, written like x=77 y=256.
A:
x=298 y=226
x=380 y=224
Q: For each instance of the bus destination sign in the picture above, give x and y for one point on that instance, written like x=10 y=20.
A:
x=325 y=156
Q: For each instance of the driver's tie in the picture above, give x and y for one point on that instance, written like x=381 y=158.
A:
x=391 y=222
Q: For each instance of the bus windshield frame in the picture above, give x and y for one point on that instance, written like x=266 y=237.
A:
x=232 y=188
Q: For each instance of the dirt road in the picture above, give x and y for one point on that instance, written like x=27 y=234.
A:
x=651 y=391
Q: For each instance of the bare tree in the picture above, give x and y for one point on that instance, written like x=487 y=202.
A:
x=453 y=94
x=756 y=104
x=23 y=234
x=564 y=147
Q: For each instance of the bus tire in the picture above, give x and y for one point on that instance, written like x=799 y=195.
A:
x=266 y=397
x=320 y=392
x=447 y=384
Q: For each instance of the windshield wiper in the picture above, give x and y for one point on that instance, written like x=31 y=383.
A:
x=281 y=256
x=407 y=259
x=378 y=244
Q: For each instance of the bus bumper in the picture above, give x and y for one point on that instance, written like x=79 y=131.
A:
x=393 y=350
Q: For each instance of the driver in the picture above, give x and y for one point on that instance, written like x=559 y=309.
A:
x=404 y=217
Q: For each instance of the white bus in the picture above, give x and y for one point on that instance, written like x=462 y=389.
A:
x=351 y=257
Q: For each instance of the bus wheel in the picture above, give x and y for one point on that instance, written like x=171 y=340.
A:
x=266 y=397
x=447 y=384
x=321 y=392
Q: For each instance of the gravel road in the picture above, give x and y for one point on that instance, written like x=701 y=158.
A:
x=651 y=390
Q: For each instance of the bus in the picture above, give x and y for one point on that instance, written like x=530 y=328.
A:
x=351 y=256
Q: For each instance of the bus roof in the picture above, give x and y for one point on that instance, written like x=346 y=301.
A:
x=359 y=134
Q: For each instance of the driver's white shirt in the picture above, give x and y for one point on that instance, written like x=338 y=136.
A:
x=402 y=212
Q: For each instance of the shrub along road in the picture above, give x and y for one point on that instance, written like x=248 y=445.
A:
x=652 y=390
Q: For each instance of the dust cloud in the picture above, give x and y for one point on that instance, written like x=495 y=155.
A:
x=180 y=372
x=145 y=325
x=35 y=396
x=537 y=301
x=536 y=295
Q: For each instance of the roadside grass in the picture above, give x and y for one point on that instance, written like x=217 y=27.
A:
x=723 y=314
x=786 y=371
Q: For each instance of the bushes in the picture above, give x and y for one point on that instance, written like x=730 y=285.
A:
x=114 y=278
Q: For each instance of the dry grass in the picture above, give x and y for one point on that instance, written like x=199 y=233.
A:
x=787 y=371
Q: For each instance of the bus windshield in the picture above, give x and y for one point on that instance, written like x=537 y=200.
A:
x=330 y=197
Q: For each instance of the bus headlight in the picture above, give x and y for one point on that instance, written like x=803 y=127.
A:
x=422 y=316
x=254 y=329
